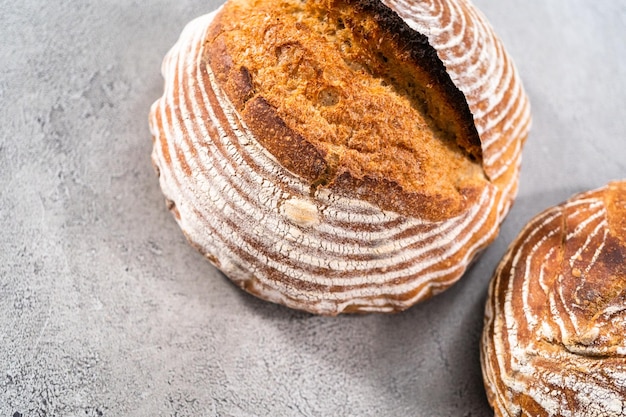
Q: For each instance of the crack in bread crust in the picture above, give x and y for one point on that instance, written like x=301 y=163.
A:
x=361 y=103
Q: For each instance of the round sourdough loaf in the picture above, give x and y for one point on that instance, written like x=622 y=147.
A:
x=340 y=156
x=554 y=341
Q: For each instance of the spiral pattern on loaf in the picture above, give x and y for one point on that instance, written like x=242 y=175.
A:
x=554 y=342
x=261 y=225
x=480 y=67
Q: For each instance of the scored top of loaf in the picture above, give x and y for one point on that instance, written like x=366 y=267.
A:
x=307 y=155
x=347 y=96
x=554 y=340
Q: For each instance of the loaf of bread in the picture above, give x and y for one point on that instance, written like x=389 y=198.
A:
x=336 y=155
x=554 y=341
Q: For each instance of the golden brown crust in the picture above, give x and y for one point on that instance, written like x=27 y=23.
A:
x=417 y=50
x=380 y=117
x=554 y=341
x=292 y=150
x=388 y=195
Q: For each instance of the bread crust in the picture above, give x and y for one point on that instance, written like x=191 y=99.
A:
x=293 y=151
x=421 y=54
x=309 y=192
x=554 y=341
x=381 y=30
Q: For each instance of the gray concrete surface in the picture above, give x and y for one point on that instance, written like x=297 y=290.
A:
x=106 y=311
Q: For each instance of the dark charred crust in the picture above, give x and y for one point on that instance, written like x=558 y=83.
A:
x=293 y=151
x=421 y=53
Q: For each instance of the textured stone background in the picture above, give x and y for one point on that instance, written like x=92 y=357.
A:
x=106 y=311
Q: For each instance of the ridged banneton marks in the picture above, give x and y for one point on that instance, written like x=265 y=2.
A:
x=280 y=238
x=554 y=342
x=480 y=67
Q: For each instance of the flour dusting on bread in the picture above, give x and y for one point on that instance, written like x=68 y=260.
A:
x=323 y=156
